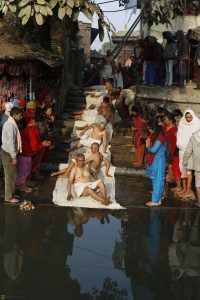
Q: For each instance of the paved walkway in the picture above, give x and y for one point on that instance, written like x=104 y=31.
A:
x=131 y=191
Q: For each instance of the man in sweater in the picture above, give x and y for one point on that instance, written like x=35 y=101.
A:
x=11 y=146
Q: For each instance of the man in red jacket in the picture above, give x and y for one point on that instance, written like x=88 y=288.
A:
x=31 y=146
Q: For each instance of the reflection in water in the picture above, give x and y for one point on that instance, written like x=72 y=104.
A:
x=138 y=254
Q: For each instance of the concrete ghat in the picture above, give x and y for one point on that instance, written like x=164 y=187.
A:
x=172 y=98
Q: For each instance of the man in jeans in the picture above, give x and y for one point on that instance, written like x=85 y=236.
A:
x=11 y=146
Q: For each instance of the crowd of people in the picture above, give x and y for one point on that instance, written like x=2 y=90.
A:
x=26 y=138
x=168 y=64
x=171 y=143
x=167 y=142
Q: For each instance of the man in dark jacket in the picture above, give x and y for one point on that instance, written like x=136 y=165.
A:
x=182 y=56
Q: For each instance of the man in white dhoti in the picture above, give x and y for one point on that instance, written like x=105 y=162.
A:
x=83 y=183
x=98 y=135
x=107 y=66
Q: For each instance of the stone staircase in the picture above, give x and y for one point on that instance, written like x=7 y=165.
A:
x=122 y=149
x=64 y=126
x=75 y=102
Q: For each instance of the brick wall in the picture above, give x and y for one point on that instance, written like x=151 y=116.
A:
x=84 y=35
x=57 y=38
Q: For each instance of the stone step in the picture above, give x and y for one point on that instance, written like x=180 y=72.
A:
x=123 y=149
x=64 y=123
x=121 y=140
x=58 y=156
x=76 y=99
x=122 y=132
x=73 y=106
x=76 y=93
x=121 y=160
x=65 y=131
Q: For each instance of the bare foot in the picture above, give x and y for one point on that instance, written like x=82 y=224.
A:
x=151 y=204
x=176 y=190
x=107 y=201
x=182 y=192
x=69 y=197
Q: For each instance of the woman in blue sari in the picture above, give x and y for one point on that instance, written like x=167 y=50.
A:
x=156 y=161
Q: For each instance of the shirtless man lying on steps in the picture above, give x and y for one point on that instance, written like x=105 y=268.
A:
x=81 y=179
x=98 y=136
x=94 y=161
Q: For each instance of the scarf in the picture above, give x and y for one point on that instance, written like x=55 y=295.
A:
x=19 y=141
x=185 y=130
x=160 y=138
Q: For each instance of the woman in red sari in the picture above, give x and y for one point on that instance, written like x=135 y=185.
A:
x=170 y=131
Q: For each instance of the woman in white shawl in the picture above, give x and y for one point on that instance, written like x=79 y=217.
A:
x=188 y=125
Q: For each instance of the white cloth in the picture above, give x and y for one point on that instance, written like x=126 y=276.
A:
x=60 y=191
x=87 y=141
x=79 y=187
x=120 y=82
x=107 y=72
x=185 y=130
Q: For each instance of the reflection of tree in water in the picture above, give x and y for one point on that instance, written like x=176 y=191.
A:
x=110 y=291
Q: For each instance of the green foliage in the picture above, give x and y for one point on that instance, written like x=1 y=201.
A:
x=162 y=11
x=110 y=291
x=40 y=10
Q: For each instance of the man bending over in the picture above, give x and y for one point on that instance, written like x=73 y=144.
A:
x=81 y=179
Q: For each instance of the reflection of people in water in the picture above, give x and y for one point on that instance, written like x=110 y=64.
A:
x=13 y=252
x=145 y=259
x=184 y=255
x=77 y=217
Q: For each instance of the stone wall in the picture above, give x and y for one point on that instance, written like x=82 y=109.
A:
x=171 y=98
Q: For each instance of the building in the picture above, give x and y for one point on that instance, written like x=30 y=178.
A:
x=24 y=67
x=86 y=36
x=129 y=47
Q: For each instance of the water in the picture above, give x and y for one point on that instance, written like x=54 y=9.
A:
x=59 y=253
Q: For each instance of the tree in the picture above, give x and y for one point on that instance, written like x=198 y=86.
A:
x=163 y=11
x=41 y=10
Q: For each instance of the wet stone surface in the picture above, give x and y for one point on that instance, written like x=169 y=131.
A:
x=60 y=253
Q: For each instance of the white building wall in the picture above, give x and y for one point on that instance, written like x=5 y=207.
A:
x=179 y=23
